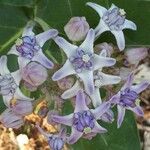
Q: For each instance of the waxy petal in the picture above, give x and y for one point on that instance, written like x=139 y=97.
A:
x=120 y=39
x=3 y=63
x=98 y=129
x=7 y=100
x=28 y=31
x=66 y=120
x=43 y=60
x=115 y=99
x=99 y=9
x=75 y=135
x=72 y=91
x=44 y=36
x=17 y=76
x=121 y=114
x=87 y=78
x=140 y=87
x=66 y=70
x=87 y=45
x=103 y=53
x=100 y=62
x=80 y=102
x=129 y=25
x=68 y=48
x=138 y=110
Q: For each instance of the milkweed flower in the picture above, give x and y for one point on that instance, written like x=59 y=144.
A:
x=99 y=79
x=9 y=83
x=84 y=120
x=82 y=61
x=55 y=141
x=114 y=20
x=29 y=47
x=126 y=98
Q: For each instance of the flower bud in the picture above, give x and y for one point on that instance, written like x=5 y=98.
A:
x=10 y=120
x=77 y=28
x=135 y=55
x=34 y=74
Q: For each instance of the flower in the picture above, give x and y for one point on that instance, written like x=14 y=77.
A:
x=126 y=98
x=77 y=28
x=9 y=83
x=84 y=120
x=81 y=61
x=113 y=20
x=11 y=120
x=34 y=74
x=99 y=79
x=56 y=142
x=29 y=47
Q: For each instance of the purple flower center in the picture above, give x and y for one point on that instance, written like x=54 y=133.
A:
x=27 y=46
x=114 y=18
x=128 y=98
x=83 y=121
x=82 y=61
x=7 y=85
x=56 y=143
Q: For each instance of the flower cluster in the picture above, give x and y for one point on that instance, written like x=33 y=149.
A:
x=84 y=65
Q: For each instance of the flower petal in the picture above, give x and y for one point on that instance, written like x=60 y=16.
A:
x=99 y=9
x=13 y=50
x=138 y=110
x=120 y=39
x=44 y=36
x=75 y=135
x=7 y=100
x=17 y=76
x=121 y=114
x=103 y=53
x=3 y=63
x=129 y=25
x=72 y=91
x=28 y=31
x=66 y=70
x=68 y=48
x=43 y=60
x=115 y=99
x=96 y=98
x=100 y=61
x=22 y=62
x=66 y=120
x=100 y=110
x=87 y=44
x=80 y=102
x=98 y=129
x=140 y=87
x=87 y=78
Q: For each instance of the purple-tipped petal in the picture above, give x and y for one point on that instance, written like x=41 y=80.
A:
x=138 y=110
x=121 y=114
x=98 y=129
x=68 y=48
x=100 y=62
x=120 y=39
x=80 y=102
x=87 y=45
x=66 y=70
x=140 y=87
x=43 y=60
x=74 y=137
x=3 y=65
x=129 y=82
x=87 y=78
x=66 y=120
x=43 y=37
x=100 y=110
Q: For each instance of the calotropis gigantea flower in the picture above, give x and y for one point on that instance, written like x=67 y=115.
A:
x=9 y=83
x=126 y=98
x=29 y=47
x=55 y=141
x=81 y=61
x=84 y=120
x=113 y=20
x=100 y=79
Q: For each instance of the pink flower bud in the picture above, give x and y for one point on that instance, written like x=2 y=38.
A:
x=77 y=28
x=10 y=120
x=135 y=55
x=34 y=74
